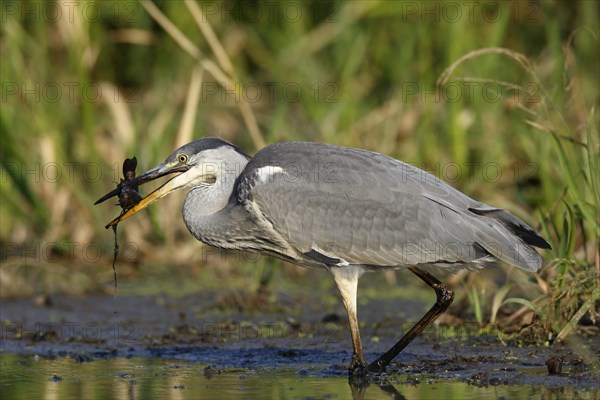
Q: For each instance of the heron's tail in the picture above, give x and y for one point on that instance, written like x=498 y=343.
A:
x=518 y=239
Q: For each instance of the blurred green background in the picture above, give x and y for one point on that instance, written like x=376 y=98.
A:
x=497 y=98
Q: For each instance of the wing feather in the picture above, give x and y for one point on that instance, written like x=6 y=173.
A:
x=370 y=209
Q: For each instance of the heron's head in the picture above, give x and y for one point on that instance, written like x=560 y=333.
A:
x=199 y=162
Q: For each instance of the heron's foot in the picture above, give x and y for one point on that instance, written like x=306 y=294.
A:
x=358 y=366
x=377 y=366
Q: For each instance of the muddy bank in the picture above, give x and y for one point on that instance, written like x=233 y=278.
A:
x=313 y=339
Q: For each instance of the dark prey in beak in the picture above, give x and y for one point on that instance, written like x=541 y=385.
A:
x=129 y=198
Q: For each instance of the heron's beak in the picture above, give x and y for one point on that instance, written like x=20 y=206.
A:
x=150 y=175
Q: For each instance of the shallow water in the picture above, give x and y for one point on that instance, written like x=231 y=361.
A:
x=138 y=347
x=29 y=376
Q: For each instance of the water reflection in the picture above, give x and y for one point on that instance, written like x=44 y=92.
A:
x=139 y=378
x=359 y=387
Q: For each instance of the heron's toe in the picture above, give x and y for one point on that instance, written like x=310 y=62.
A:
x=358 y=367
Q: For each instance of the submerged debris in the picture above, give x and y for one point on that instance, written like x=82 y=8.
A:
x=208 y=372
x=554 y=365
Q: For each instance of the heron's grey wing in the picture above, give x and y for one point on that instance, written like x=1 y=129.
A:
x=361 y=207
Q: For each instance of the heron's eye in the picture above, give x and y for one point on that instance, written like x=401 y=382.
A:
x=182 y=158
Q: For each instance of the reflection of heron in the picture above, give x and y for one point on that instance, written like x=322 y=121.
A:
x=346 y=210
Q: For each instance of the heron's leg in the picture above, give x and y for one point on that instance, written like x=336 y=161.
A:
x=346 y=280
x=444 y=299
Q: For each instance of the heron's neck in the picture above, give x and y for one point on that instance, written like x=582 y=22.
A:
x=205 y=205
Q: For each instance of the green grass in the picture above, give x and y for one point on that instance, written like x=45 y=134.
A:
x=80 y=94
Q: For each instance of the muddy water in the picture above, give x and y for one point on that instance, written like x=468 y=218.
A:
x=137 y=378
x=159 y=346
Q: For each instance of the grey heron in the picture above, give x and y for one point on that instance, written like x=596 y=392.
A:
x=342 y=209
